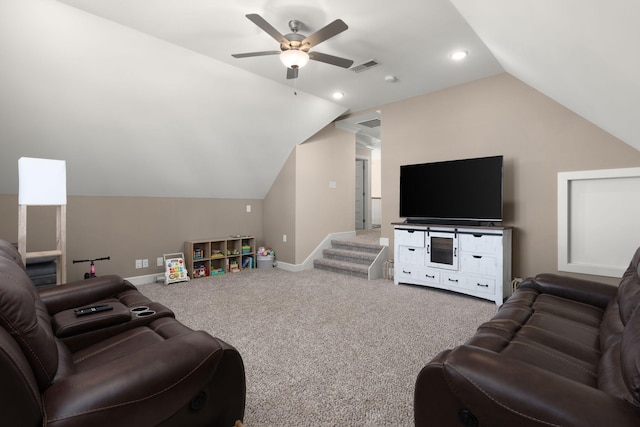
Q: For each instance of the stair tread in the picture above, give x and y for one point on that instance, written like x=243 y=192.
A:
x=350 y=257
x=342 y=265
x=356 y=244
x=351 y=253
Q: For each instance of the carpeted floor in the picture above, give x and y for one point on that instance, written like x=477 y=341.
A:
x=322 y=349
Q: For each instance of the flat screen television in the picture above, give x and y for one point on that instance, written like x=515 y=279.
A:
x=456 y=191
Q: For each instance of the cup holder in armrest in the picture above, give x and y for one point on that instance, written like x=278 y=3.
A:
x=142 y=311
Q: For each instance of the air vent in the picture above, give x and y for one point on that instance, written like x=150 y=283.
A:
x=365 y=66
x=373 y=123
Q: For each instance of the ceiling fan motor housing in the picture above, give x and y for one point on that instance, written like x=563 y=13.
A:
x=295 y=42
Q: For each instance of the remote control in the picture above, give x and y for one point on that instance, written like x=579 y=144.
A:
x=93 y=309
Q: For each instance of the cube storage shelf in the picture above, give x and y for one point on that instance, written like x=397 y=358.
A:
x=212 y=257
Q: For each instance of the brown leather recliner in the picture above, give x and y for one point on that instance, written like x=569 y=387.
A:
x=560 y=352
x=116 y=367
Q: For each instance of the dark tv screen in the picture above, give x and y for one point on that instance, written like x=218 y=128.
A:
x=457 y=190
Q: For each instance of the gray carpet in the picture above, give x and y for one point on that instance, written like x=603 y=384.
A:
x=322 y=349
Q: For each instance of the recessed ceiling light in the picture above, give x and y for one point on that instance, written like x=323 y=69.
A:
x=338 y=95
x=459 y=54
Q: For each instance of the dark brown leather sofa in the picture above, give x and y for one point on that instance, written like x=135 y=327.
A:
x=560 y=352
x=133 y=364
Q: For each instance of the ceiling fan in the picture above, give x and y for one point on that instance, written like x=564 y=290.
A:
x=294 y=47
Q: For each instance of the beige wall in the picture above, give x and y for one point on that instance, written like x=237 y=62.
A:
x=130 y=228
x=280 y=213
x=498 y=115
x=501 y=116
x=300 y=203
x=329 y=156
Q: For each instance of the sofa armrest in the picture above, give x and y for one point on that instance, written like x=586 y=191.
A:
x=145 y=388
x=82 y=292
x=586 y=291
x=502 y=391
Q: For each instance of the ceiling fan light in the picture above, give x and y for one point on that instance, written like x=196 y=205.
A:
x=294 y=58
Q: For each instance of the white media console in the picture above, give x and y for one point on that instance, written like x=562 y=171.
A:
x=470 y=260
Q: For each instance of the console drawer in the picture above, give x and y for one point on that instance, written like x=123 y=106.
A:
x=480 y=243
x=403 y=273
x=481 y=284
x=413 y=238
x=410 y=255
x=453 y=280
x=479 y=264
x=429 y=276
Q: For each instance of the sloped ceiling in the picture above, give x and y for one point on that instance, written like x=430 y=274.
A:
x=143 y=98
x=133 y=115
x=582 y=54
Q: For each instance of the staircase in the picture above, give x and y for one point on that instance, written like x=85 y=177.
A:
x=353 y=258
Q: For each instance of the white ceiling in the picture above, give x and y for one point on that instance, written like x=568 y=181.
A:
x=411 y=40
x=152 y=85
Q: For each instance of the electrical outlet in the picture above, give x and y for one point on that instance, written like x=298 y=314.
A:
x=138 y=263
x=248 y=208
x=145 y=263
x=159 y=261
x=284 y=238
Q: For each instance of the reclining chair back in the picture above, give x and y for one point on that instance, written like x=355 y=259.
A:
x=28 y=348
x=619 y=368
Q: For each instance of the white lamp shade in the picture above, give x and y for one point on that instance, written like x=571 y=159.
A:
x=294 y=58
x=42 y=182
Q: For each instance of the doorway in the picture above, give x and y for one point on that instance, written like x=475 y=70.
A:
x=361 y=196
x=368 y=197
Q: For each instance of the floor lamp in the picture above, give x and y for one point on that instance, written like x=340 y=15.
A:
x=43 y=182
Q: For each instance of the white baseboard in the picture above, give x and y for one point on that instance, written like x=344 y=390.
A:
x=290 y=267
x=146 y=279
x=307 y=264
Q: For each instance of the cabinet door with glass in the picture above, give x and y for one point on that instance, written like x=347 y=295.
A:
x=441 y=250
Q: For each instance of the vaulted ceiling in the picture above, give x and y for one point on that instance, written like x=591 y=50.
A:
x=143 y=97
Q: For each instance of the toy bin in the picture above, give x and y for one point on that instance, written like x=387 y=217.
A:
x=265 y=261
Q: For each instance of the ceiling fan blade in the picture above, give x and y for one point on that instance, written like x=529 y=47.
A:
x=250 y=54
x=292 y=73
x=326 y=32
x=330 y=59
x=267 y=28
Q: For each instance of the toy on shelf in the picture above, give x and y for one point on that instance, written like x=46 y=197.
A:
x=247 y=262
x=234 y=267
x=216 y=253
x=200 y=271
x=198 y=253
x=217 y=271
